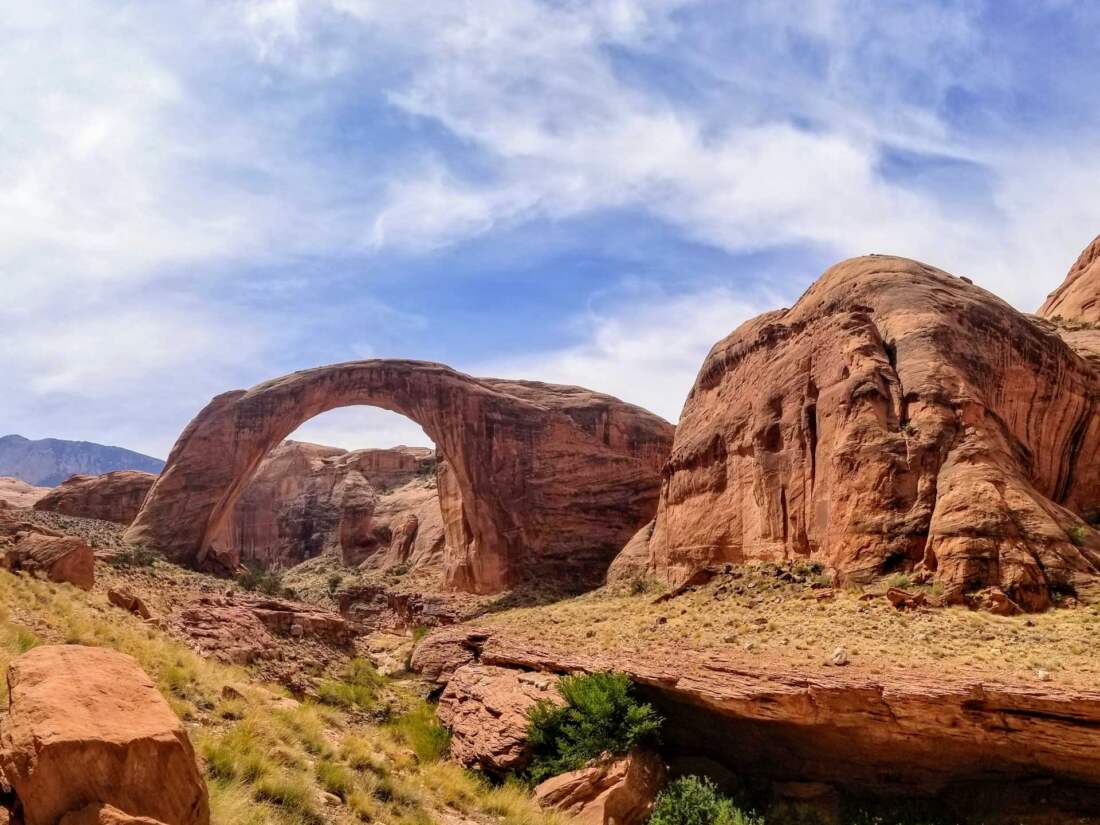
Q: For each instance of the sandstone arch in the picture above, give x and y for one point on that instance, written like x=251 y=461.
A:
x=542 y=480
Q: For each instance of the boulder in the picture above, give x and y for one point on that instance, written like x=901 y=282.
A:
x=87 y=726
x=98 y=814
x=115 y=496
x=896 y=418
x=611 y=791
x=545 y=481
x=121 y=597
x=486 y=710
x=38 y=551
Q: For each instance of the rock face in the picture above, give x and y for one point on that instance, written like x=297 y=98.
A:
x=542 y=480
x=895 y=418
x=609 y=792
x=87 y=726
x=113 y=496
x=28 y=548
x=894 y=733
x=105 y=815
x=1078 y=298
x=486 y=709
x=18 y=494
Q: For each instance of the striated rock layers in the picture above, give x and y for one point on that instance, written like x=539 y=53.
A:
x=896 y=417
x=889 y=733
x=115 y=496
x=87 y=728
x=542 y=480
x=307 y=499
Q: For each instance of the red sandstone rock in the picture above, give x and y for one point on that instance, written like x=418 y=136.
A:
x=1078 y=297
x=86 y=726
x=486 y=710
x=17 y=494
x=905 y=601
x=895 y=418
x=543 y=480
x=611 y=791
x=897 y=732
x=97 y=814
x=129 y=602
x=28 y=548
x=115 y=496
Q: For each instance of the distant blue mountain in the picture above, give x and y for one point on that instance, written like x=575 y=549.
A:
x=49 y=461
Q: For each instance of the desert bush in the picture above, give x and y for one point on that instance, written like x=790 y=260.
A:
x=599 y=716
x=268 y=582
x=357 y=688
x=333 y=583
x=1077 y=534
x=134 y=555
x=693 y=800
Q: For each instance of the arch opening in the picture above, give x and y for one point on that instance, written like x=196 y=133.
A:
x=542 y=480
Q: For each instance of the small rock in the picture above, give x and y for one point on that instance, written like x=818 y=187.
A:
x=1042 y=675
x=839 y=657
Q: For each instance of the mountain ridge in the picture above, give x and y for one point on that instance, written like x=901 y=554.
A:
x=47 y=462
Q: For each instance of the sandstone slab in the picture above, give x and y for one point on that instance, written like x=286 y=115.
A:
x=611 y=791
x=38 y=551
x=115 y=496
x=87 y=726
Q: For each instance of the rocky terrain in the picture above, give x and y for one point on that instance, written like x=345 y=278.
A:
x=47 y=462
x=858 y=584
x=18 y=494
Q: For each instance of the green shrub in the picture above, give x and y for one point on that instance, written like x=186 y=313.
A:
x=134 y=555
x=424 y=733
x=333 y=583
x=357 y=687
x=268 y=582
x=693 y=800
x=1077 y=534
x=599 y=716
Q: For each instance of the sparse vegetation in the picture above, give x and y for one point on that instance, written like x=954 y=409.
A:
x=1077 y=534
x=424 y=733
x=357 y=687
x=136 y=555
x=256 y=578
x=693 y=800
x=599 y=716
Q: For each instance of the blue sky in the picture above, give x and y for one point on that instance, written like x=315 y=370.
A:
x=197 y=196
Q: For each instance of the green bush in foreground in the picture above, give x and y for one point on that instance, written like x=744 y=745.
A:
x=691 y=800
x=599 y=716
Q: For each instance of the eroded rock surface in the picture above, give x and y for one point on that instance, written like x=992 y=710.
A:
x=113 y=496
x=39 y=551
x=896 y=418
x=543 y=479
x=486 y=709
x=897 y=732
x=611 y=791
x=87 y=726
x=17 y=494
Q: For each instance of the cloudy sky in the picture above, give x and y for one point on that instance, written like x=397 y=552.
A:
x=197 y=196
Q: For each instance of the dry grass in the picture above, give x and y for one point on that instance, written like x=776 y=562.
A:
x=268 y=759
x=759 y=614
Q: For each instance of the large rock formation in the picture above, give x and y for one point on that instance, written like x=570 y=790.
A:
x=543 y=479
x=18 y=494
x=86 y=726
x=892 y=732
x=1078 y=297
x=39 y=551
x=307 y=499
x=896 y=417
x=115 y=496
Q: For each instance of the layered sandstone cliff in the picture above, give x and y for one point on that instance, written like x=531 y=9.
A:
x=897 y=417
x=115 y=496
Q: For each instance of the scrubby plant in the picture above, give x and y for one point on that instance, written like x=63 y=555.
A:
x=254 y=577
x=333 y=583
x=694 y=800
x=134 y=555
x=599 y=716
x=424 y=733
x=357 y=686
x=1077 y=534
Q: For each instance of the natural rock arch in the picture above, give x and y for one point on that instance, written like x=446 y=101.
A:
x=541 y=479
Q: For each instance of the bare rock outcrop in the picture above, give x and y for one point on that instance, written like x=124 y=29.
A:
x=486 y=710
x=86 y=726
x=895 y=418
x=98 y=814
x=543 y=480
x=1078 y=296
x=125 y=599
x=39 y=551
x=610 y=791
x=17 y=494
x=890 y=733
x=115 y=496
